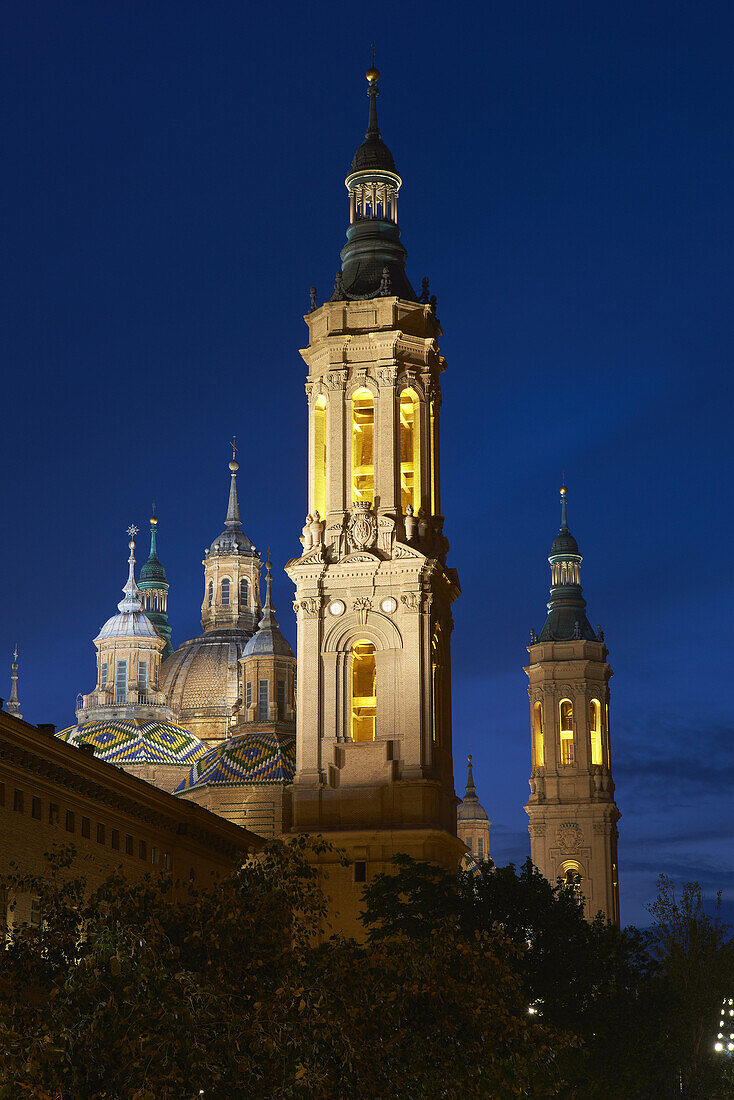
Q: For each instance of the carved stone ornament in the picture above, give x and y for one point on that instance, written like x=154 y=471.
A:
x=537 y=829
x=361 y=606
x=387 y=376
x=337 y=379
x=362 y=529
x=412 y=601
x=309 y=390
x=569 y=837
x=311 y=606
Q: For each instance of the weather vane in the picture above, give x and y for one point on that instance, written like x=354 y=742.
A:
x=234 y=446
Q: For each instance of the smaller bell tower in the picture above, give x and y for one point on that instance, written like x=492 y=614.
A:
x=572 y=812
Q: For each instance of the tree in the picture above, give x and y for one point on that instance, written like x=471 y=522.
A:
x=126 y=991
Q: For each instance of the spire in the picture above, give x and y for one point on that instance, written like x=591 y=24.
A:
x=471 y=791
x=13 y=704
x=567 y=619
x=131 y=601
x=564 y=518
x=153 y=586
x=268 y=620
x=233 y=511
x=373 y=75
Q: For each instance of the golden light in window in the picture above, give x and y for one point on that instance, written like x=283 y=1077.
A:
x=319 y=456
x=364 y=692
x=410 y=465
x=363 y=446
x=538 y=735
x=595 y=731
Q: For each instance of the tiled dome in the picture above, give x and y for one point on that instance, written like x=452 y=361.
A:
x=246 y=758
x=129 y=741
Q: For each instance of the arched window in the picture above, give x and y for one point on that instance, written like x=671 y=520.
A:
x=538 y=735
x=572 y=877
x=103 y=675
x=225 y=592
x=410 y=462
x=244 y=592
x=363 y=446
x=437 y=683
x=364 y=697
x=155 y=603
x=319 y=456
x=566 y=714
x=595 y=731
x=210 y=597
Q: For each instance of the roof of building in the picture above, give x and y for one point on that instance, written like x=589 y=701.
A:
x=471 y=809
x=244 y=758
x=153 y=575
x=233 y=539
x=197 y=677
x=268 y=641
x=130 y=621
x=567 y=620
x=373 y=153
x=130 y=741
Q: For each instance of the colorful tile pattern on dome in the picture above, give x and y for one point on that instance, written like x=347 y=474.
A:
x=127 y=741
x=246 y=758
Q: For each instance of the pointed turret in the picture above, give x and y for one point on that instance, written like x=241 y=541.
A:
x=233 y=539
x=13 y=703
x=472 y=821
x=153 y=586
x=373 y=260
x=567 y=607
x=268 y=639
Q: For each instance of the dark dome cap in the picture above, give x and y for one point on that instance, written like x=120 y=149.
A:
x=373 y=153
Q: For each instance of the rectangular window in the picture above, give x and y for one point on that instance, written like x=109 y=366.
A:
x=2 y=794
x=480 y=847
x=18 y=801
x=35 y=912
x=470 y=844
x=69 y=821
x=143 y=850
x=248 y=695
x=85 y=827
x=360 y=871
x=142 y=675
x=167 y=861
x=103 y=675
x=115 y=839
x=36 y=808
x=129 y=847
x=121 y=682
x=153 y=854
x=281 y=698
x=263 y=699
x=100 y=833
x=53 y=813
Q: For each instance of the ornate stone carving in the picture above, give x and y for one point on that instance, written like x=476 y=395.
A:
x=309 y=390
x=361 y=606
x=569 y=837
x=537 y=828
x=411 y=600
x=362 y=529
x=386 y=533
x=337 y=379
x=387 y=376
x=311 y=606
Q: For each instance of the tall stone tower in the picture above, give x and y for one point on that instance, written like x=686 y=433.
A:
x=153 y=585
x=572 y=812
x=374 y=770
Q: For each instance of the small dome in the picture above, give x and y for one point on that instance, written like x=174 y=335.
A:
x=471 y=809
x=246 y=758
x=129 y=741
x=232 y=541
x=373 y=153
x=152 y=573
x=564 y=543
x=130 y=624
x=268 y=642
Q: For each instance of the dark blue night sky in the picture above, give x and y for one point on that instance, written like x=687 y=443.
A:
x=172 y=185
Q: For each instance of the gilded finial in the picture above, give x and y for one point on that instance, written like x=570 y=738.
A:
x=372 y=74
x=153 y=517
x=234 y=464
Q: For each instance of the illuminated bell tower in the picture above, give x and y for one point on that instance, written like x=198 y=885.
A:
x=374 y=769
x=572 y=812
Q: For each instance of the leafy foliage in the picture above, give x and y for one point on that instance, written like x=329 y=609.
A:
x=131 y=991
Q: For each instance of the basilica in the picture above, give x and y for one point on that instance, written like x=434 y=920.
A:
x=352 y=740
